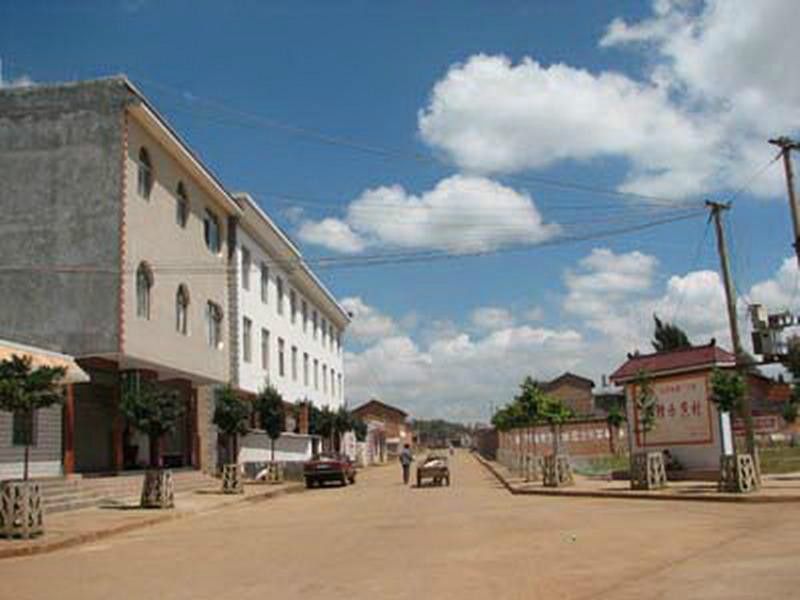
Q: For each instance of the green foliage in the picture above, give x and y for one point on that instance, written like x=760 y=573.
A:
x=524 y=410
x=615 y=417
x=791 y=360
x=25 y=389
x=727 y=390
x=645 y=402
x=553 y=411
x=231 y=413
x=668 y=336
x=360 y=429
x=789 y=411
x=269 y=406
x=150 y=407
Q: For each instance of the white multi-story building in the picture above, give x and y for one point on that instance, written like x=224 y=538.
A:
x=289 y=327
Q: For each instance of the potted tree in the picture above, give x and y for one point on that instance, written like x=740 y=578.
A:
x=648 y=471
x=24 y=390
x=271 y=413
x=614 y=420
x=557 y=470
x=153 y=409
x=737 y=471
x=231 y=416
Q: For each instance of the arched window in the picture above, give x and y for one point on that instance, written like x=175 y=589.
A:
x=145 y=179
x=182 y=206
x=182 y=310
x=144 y=283
x=214 y=324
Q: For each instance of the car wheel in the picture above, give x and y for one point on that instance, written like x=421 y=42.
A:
x=309 y=483
x=344 y=481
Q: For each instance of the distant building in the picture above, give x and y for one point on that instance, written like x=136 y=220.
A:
x=574 y=391
x=391 y=421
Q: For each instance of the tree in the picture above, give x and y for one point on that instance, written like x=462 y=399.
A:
x=231 y=416
x=614 y=419
x=555 y=414
x=24 y=390
x=151 y=408
x=645 y=400
x=727 y=391
x=360 y=429
x=668 y=336
x=271 y=413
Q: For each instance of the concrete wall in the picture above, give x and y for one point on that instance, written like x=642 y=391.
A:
x=265 y=315
x=290 y=447
x=178 y=255
x=60 y=168
x=45 y=456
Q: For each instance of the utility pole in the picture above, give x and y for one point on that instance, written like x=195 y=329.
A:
x=716 y=209
x=787 y=145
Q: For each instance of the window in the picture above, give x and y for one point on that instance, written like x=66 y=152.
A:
x=214 y=325
x=325 y=378
x=144 y=283
x=314 y=323
x=333 y=383
x=23 y=428
x=316 y=374
x=182 y=310
x=265 y=349
x=247 y=340
x=211 y=231
x=281 y=360
x=324 y=332
x=305 y=368
x=293 y=305
x=279 y=285
x=181 y=206
x=246 y=264
x=264 y=283
x=341 y=391
x=304 y=310
x=294 y=363
x=144 y=179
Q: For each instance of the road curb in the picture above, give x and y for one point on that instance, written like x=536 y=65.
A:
x=94 y=536
x=632 y=495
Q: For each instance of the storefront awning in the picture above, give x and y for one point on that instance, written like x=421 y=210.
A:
x=45 y=358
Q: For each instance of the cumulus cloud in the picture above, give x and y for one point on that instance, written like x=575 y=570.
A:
x=460 y=214
x=696 y=122
x=780 y=292
x=333 y=234
x=368 y=323
x=491 y=318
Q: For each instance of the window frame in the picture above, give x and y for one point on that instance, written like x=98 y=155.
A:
x=247 y=340
x=145 y=174
x=264 y=283
x=181 y=206
x=213 y=242
x=214 y=318
x=182 y=301
x=265 y=355
x=246 y=264
x=144 y=290
x=281 y=357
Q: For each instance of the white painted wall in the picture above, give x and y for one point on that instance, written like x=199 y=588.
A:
x=290 y=447
x=264 y=315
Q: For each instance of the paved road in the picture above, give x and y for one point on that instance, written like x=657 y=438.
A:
x=378 y=539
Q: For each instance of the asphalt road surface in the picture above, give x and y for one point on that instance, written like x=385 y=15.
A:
x=379 y=539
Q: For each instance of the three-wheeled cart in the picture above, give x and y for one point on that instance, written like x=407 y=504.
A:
x=435 y=469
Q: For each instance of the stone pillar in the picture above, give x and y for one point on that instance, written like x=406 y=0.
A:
x=68 y=416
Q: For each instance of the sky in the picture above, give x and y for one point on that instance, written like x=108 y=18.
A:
x=530 y=175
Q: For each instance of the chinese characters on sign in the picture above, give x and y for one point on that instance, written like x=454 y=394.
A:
x=682 y=413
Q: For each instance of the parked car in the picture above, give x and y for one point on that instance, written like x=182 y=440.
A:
x=324 y=468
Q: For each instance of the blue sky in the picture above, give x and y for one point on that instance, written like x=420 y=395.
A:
x=663 y=99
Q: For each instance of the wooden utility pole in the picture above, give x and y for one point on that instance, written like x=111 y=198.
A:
x=742 y=361
x=787 y=145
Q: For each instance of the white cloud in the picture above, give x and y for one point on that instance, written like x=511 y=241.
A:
x=781 y=292
x=368 y=323
x=333 y=234
x=533 y=314
x=491 y=318
x=716 y=89
x=460 y=214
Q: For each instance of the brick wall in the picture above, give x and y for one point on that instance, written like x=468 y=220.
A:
x=590 y=437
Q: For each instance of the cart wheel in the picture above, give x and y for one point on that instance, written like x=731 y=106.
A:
x=448 y=481
x=419 y=480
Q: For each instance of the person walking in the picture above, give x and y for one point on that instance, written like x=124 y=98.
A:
x=406 y=458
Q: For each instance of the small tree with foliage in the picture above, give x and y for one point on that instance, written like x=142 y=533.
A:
x=153 y=409
x=271 y=414
x=360 y=429
x=24 y=390
x=645 y=401
x=614 y=419
x=668 y=336
x=231 y=416
x=727 y=391
x=553 y=412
